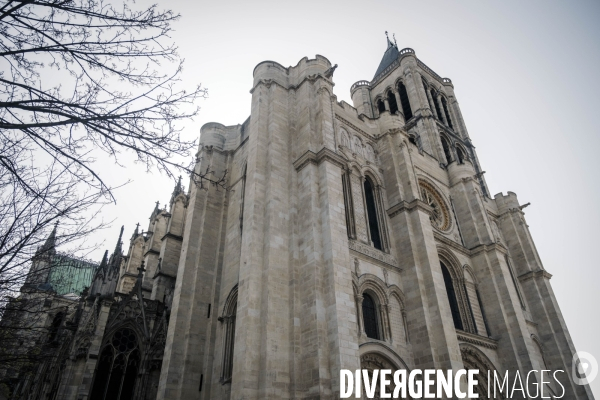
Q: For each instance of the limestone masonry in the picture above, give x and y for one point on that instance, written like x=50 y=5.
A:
x=345 y=237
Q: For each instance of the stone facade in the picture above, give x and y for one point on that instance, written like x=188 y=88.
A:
x=345 y=237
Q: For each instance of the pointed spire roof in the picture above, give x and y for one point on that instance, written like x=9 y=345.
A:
x=136 y=232
x=177 y=191
x=390 y=55
x=119 y=246
x=50 y=242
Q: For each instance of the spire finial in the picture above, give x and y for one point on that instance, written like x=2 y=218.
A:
x=394 y=36
x=389 y=42
x=119 y=242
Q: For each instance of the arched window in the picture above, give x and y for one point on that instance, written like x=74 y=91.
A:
x=56 y=323
x=374 y=227
x=117 y=367
x=391 y=97
x=369 y=311
x=446 y=149
x=460 y=155
x=406 y=110
x=436 y=104
x=445 y=106
x=228 y=321
x=380 y=106
x=451 y=297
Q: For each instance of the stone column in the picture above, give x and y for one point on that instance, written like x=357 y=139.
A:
x=361 y=324
x=431 y=104
x=443 y=116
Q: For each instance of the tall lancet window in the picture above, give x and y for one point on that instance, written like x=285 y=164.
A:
x=374 y=227
x=117 y=369
x=452 y=297
x=406 y=110
x=242 y=197
x=348 y=206
x=369 y=310
x=228 y=321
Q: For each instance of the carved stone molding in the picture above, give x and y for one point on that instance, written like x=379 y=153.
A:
x=372 y=253
x=324 y=154
x=477 y=340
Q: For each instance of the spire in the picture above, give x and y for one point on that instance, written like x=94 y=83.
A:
x=136 y=232
x=155 y=212
x=119 y=245
x=177 y=191
x=104 y=261
x=390 y=55
x=50 y=243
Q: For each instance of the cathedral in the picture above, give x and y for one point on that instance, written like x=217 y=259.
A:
x=343 y=236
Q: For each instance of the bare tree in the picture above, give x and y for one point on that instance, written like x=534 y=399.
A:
x=81 y=79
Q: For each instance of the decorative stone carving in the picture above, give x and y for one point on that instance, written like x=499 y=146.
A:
x=372 y=252
x=358 y=146
x=345 y=139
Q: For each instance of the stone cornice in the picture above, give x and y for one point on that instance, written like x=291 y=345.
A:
x=488 y=248
x=451 y=243
x=151 y=251
x=535 y=274
x=172 y=236
x=404 y=205
x=324 y=154
x=476 y=339
x=372 y=252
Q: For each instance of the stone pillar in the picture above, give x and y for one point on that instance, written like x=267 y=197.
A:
x=443 y=116
x=431 y=104
x=361 y=325
x=191 y=335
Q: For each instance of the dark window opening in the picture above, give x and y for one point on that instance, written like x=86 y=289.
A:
x=445 y=105
x=56 y=323
x=380 y=106
x=436 y=104
x=370 y=317
x=460 y=155
x=406 y=110
x=451 y=297
x=392 y=102
x=446 y=149
x=412 y=140
x=372 y=214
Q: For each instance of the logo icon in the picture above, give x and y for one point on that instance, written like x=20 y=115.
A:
x=584 y=368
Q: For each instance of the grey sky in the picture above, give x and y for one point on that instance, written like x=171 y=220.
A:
x=524 y=74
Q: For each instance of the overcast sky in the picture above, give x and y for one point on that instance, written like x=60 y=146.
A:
x=524 y=74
